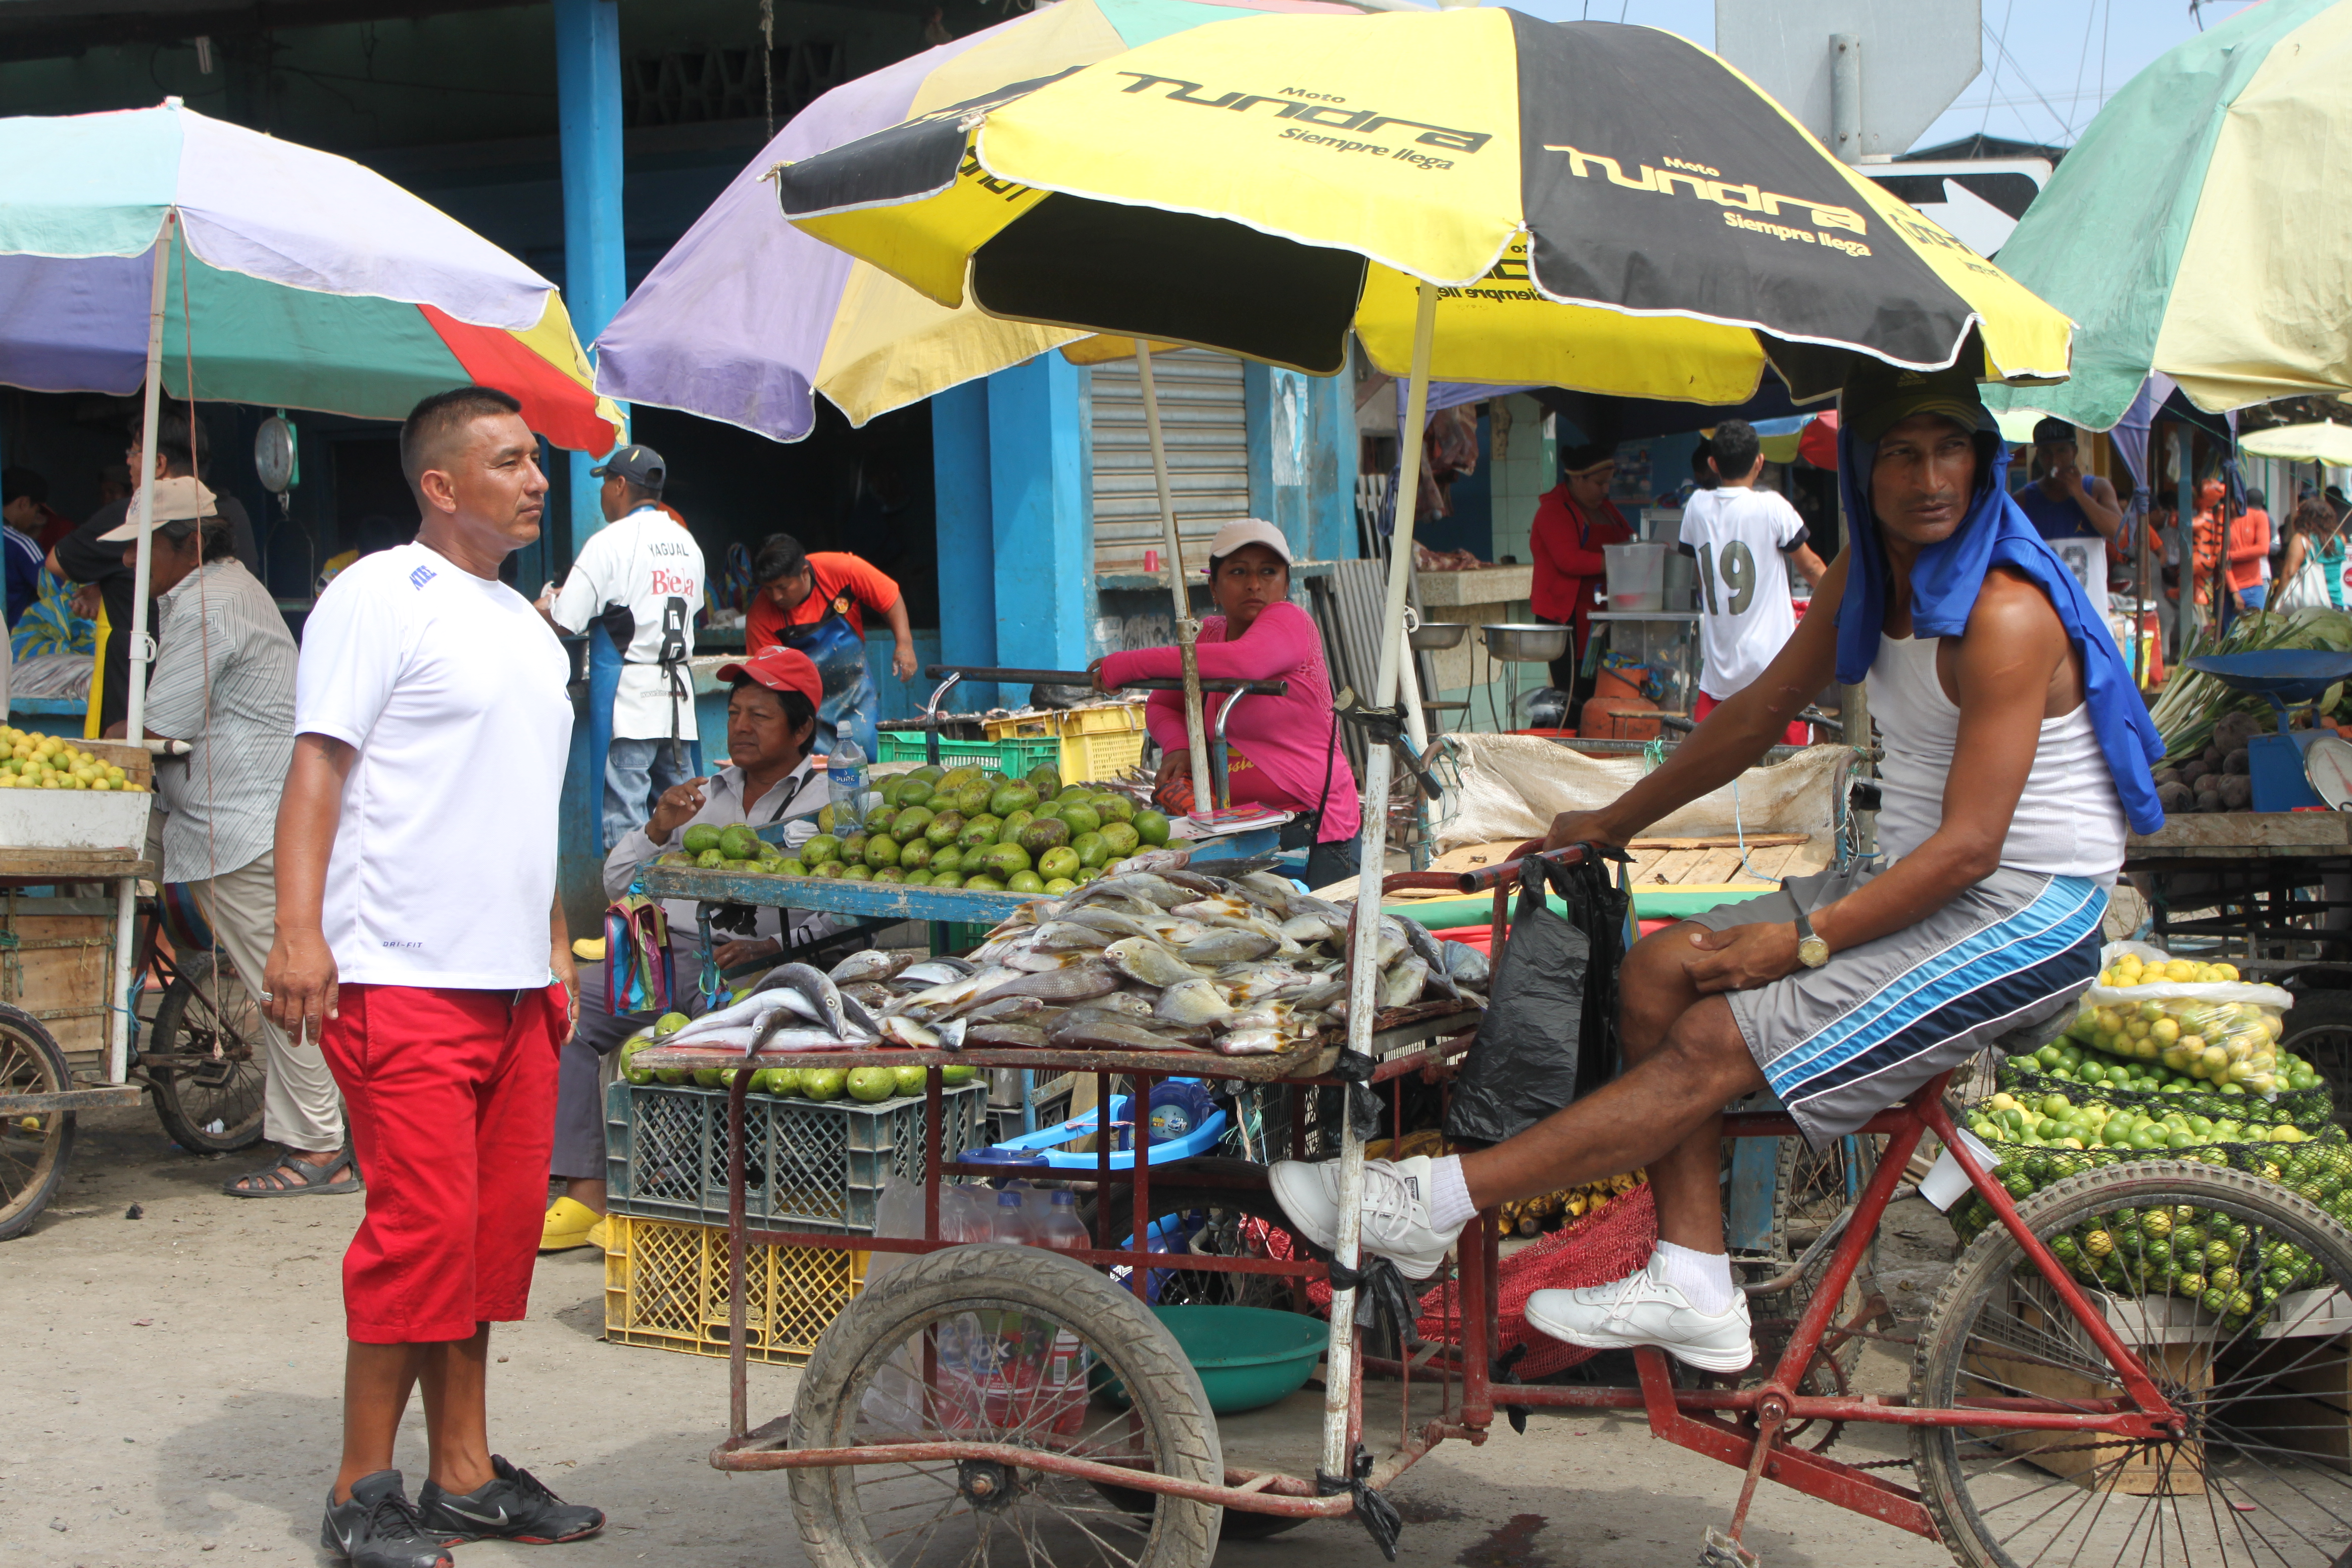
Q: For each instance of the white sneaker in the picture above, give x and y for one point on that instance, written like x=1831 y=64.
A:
x=1395 y=1207
x=1643 y=1309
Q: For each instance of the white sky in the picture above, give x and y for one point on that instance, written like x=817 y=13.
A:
x=2064 y=58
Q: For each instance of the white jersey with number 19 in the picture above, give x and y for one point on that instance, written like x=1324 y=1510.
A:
x=1739 y=539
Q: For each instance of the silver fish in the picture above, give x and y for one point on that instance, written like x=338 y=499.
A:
x=1253 y=1043
x=1274 y=1016
x=1402 y=985
x=1393 y=942
x=743 y=1014
x=1118 y=1004
x=1033 y=961
x=939 y=970
x=1313 y=927
x=875 y=995
x=1103 y=1034
x=722 y=1037
x=1266 y=889
x=815 y=987
x=1071 y=985
x=1169 y=858
x=1027 y=1035
x=1248 y=985
x=779 y=1031
x=1466 y=963
x=951 y=1035
x=873 y=964
x=1308 y=904
x=1322 y=993
x=1069 y=934
x=1425 y=948
x=1221 y=907
x=1003 y=1008
x=1226 y=945
x=964 y=988
x=1193 y=1002
x=1153 y=963
x=904 y=1031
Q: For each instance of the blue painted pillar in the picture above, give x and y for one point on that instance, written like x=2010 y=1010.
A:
x=1042 y=517
x=588 y=110
x=1302 y=458
x=959 y=479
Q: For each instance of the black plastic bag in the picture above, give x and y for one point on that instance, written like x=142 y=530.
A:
x=1552 y=1018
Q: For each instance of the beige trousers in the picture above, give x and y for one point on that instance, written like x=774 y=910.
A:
x=301 y=1107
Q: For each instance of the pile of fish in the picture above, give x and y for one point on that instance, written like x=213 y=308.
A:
x=1152 y=957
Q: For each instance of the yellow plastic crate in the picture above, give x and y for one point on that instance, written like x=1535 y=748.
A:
x=666 y=1286
x=1099 y=742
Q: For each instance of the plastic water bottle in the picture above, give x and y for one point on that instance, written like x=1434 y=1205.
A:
x=846 y=774
x=1062 y=1395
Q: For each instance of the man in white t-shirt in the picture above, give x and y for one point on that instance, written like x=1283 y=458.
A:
x=640 y=577
x=421 y=943
x=1744 y=541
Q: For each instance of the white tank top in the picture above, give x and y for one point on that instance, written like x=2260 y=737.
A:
x=2068 y=823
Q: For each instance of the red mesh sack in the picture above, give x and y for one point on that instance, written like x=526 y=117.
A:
x=1610 y=1243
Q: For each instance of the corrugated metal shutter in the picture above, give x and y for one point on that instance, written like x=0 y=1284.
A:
x=1203 y=423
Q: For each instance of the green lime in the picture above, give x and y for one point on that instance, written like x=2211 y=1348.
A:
x=1151 y=827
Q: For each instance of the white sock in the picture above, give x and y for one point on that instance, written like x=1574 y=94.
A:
x=1450 y=1207
x=1702 y=1277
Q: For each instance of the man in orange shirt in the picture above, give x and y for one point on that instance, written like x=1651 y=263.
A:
x=2250 y=552
x=798 y=593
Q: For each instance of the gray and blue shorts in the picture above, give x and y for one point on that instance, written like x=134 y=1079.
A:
x=1838 y=1044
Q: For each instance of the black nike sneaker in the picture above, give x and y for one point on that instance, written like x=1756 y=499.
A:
x=378 y=1527
x=515 y=1506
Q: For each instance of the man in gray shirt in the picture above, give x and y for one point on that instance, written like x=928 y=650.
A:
x=223 y=682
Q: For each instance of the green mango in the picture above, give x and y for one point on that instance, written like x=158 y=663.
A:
x=947 y=861
x=1060 y=885
x=818 y=850
x=943 y=828
x=1024 y=882
x=881 y=850
x=861 y=873
x=1048 y=833
x=1046 y=780
x=1081 y=818
x=1059 y=863
x=739 y=842
x=792 y=869
x=700 y=837
x=852 y=848
x=710 y=860
x=879 y=820
x=1114 y=807
x=920 y=878
x=1120 y=839
x=1012 y=797
x=979 y=832
x=972 y=799
x=889 y=874
x=1151 y=827
x=669 y=1024
x=983 y=884
x=1092 y=851
x=911 y=823
x=822 y=1083
x=1002 y=859
x=917 y=855
x=1014 y=823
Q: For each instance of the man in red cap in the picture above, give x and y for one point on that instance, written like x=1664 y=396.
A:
x=768 y=779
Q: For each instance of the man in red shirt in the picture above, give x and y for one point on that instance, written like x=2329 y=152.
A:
x=800 y=589
x=1573 y=521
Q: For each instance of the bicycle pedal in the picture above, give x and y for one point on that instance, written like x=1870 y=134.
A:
x=1720 y=1551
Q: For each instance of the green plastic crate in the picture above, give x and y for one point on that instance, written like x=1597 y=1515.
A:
x=1013 y=758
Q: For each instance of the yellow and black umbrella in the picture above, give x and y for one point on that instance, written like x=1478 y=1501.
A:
x=1264 y=186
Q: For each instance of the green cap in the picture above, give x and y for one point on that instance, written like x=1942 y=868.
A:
x=1879 y=397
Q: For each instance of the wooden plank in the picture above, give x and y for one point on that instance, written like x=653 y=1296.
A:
x=2243 y=830
x=1673 y=867
x=59 y=970
x=2298 y=1395
x=1717 y=865
x=71 y=1099
x=1718 y=841
x=72 y=865
x=1770 y=862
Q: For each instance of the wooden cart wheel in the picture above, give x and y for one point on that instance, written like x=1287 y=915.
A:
x=984 y=1316
x=210 y=1104
x=2258 y=1475
x=34 y=1147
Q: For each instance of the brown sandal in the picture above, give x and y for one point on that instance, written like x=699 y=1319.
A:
x=306 y=1178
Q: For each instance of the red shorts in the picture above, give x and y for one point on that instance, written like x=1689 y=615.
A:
x=450 y=1096
x=1797 y=734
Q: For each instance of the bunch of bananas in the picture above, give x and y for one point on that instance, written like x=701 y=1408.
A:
x=1532 y=1217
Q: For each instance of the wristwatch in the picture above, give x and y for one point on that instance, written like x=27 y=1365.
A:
x=1812 y=951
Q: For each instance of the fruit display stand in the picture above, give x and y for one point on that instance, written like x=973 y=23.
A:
x=2270 y=866
x=65 y=969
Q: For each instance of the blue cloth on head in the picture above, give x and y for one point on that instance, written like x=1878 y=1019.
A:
x=1944 y=586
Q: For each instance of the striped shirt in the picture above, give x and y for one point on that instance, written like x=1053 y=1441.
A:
x=223 y=681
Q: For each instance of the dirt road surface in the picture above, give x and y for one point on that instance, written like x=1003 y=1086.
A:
x=173 y=1383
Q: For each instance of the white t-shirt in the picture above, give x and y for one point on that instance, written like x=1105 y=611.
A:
x=452 y=689
x=643 y=560
x=1738 y=538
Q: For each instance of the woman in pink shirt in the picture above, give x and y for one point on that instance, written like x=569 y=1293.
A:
x=1281 y=752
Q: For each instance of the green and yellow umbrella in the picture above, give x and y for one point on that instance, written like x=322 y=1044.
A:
x=1264 y=186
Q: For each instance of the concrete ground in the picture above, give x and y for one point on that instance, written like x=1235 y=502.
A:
x=173 y=1383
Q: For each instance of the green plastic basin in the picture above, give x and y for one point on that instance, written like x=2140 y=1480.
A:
x=1247 y=1357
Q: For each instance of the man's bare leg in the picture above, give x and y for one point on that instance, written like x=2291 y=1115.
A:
x=454 y=1382
x=377 y=1380
x=1685 y=1060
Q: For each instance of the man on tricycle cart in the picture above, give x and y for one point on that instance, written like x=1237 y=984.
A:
x=2016 y=752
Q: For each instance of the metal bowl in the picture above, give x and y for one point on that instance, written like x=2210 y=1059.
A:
x=1435 y=636
x=1525 y=643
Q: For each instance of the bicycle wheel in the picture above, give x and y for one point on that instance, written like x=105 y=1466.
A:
x=1028 y=1346
x=1811 y=1187
x=2245 y=1349
x=208 y=1061
x=33 y=1148
x=1223 y=1222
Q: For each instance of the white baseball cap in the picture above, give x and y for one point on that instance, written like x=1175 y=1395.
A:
x=1249 y=531
x=183 y=500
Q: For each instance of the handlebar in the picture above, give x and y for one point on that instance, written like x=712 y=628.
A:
x=1485 y=878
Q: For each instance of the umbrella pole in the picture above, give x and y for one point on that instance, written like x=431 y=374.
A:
x=150 y=414
x=1188 y=630
x=1363 y=969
